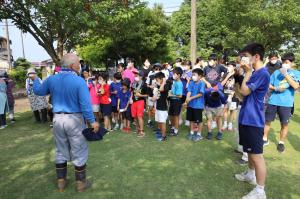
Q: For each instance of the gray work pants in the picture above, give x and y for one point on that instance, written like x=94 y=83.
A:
x=70 y=144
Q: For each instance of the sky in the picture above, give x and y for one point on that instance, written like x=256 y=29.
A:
x=35 y=53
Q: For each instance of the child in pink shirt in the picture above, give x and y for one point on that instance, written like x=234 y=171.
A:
x=94 y=88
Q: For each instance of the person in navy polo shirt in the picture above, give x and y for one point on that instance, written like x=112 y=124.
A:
x=252 y=118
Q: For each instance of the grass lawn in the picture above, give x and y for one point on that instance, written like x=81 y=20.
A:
x=123 y=166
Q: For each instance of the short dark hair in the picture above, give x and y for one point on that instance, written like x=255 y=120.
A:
x=188 y=62
x=159 y=75
x=104 y=76
x=198 y=71
x=126 y=82
x=117 y=76
x=231 y=63
x=178 y=60
x=213 y=56
x=121 y=65
x=253 y=49
x=81 y=61
x=132 y=60
x=288 y=56
x=178 y=71
x=273 y=54
x=199 y=59
x=215 y=96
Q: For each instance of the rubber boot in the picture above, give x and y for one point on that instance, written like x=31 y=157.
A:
x=44 y=115
x=37 y=116
x=82 y=183
x=61 y=172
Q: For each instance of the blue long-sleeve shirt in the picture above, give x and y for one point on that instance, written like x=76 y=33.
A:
x=69 y=94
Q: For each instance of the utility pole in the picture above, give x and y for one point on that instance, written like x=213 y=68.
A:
x=8 y=45
x=193 y=30
x=23 y=50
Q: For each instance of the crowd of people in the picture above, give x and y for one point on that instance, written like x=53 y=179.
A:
x=247 y=88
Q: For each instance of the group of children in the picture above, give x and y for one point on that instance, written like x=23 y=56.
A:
x=167 y=93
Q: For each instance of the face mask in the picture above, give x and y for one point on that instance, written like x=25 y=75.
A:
x=137 y=79
x=195 y=78
x=118 y=81
x=273 y=62
x=174 y=77
x=169 y=67
x=211 y=63
x=286 y=66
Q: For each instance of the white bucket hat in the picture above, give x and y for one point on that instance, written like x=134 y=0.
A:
x=31 y=71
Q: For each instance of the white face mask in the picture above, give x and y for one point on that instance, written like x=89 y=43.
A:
x=195 y=78
x=286 y=66
x=137 y=79
x=174 y=77
x=118 y=81
x=211 y=63
x=273 y=62
x=185 y=68
x=169 y=67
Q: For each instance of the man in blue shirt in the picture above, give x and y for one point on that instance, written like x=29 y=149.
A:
x=283 y=84
x=71 y=104
x=195 y=104
x=252 y=119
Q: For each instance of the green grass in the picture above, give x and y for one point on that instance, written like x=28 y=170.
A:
x=123 y=166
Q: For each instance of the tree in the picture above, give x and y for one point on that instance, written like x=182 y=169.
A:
x=140 y=32
x=229 y=24
x=60 y=22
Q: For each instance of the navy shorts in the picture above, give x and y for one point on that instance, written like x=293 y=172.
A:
x=251 y=138
x=194 y=115
x=106 y=109
x=114 y=109
x=284 y=113
x=175 y=107
x=127 y=114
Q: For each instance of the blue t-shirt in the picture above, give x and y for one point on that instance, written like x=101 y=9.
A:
x=195 y=89
x=209 y=102
x=124 y=98
x=252 y=110
x=114 y=86
x=285 y=98
x=177 y=88
x=184 y=79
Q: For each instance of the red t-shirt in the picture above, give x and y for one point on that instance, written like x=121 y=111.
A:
x=105 y=97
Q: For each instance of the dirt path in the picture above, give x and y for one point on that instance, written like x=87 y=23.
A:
x=22 y=105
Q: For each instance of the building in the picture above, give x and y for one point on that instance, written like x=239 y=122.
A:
x=4 y=64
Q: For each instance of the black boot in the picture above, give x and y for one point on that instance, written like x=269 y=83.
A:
x=81 y=182
x=44 y=115
x=61 y=173
x=37 y=116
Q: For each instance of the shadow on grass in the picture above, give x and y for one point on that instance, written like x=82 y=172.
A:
x=123 y=166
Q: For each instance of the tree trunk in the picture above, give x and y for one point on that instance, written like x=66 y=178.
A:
x=60 y=48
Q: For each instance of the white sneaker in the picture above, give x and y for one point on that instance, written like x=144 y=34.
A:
x=224 y=126
x=254 y=194
x=180 y=121
x=2 y=127
x=121 y=126
x=244 y=177
x=113 y=120
x=187 y=123
x=213 y=125
x=116 y=127
x=230 y=127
